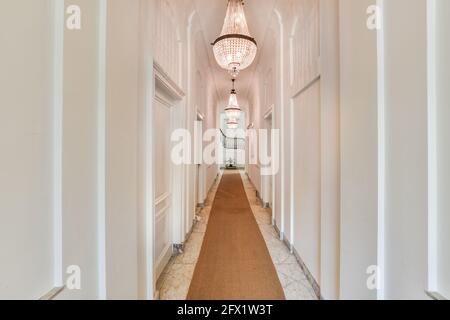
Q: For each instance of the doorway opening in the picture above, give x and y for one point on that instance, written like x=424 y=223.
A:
x=233 y=144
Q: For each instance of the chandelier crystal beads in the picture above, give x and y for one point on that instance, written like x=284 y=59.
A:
x=235 y=49
x=233 y=111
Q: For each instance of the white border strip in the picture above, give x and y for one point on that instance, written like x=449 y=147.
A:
x=101 y=148
x=381 y=154
x=58 y=101
x=432 y=146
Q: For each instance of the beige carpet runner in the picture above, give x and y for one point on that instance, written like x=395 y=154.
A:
x=234 y=262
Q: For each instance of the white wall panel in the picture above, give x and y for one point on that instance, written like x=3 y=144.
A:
x=167 y=39
x=305 y=124
x=443 y=145
x=359 y=149
x=26 y=143
x=80 y=150
x=405 y=82
x=122 y=89
x=330 y=149
x=163 y=193
x=306 y=44
x=307 y=178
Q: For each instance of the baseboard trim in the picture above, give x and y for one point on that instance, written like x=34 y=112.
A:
x=436 y=296
x=51 y=295
x=308 y=274
x=280 y=236
x=305 y=269
x=288 y=244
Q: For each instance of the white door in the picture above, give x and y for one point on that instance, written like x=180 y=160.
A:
x=199 y=183
x=267 y=180
x=269 y=148
x=163 y=210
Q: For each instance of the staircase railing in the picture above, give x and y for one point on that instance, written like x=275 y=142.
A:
x=232 y=143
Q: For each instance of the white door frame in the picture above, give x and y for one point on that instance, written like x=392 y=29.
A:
x=268 y=199
x=200 y=200
x=166 y=89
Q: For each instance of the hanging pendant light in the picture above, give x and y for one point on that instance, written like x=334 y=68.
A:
x=235 y=49
x=233 y=111
x=232 y=124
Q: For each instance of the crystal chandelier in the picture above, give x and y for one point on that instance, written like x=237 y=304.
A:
x=235 y=49
x=232 y=124
x=233 y=111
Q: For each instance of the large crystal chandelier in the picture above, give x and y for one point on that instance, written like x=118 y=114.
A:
x=235 y=49
x=233 y=111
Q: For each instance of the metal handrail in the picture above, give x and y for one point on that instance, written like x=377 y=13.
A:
x=232 y=143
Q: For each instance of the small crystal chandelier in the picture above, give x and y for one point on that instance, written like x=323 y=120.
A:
x=233 y=111
x=232 y=124
x=235 y=49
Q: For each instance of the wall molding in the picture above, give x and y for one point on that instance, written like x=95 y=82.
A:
x=162 y=198
x=52 y=294
x=432 y=169
x=269 y=112
x=58 y=110
x=308 y=274
x=166 y=84
x=308 y=85
x=101 y=149
x=436 y=296
x=381 y=127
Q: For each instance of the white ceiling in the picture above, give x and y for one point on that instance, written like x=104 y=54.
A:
x=212 y=14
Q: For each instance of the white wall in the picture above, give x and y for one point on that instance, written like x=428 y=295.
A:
x=202 y=98
x=387 y=179
x=359 y=151
x=405 y=54
x=212 y=170
x=255 y=116
x=443 y=146
x=80 y=150
x=306 y=239
x=262 y=98
x=108 y=241
x=122 y=148
x=341 y=203
x=306 y=202
x=26 y=142
x=330 y=149
x=304 y=97
x=36 y=149
x=298 y=195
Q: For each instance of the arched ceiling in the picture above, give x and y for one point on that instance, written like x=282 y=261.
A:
x=211 y=14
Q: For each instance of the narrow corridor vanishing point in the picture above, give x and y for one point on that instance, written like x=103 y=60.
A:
x=237 y=260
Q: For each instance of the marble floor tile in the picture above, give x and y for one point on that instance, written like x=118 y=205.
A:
x=177 y=281
x=291 y=271
x=299 y=290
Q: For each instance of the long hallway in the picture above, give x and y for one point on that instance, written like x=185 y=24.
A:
x=227 y=149
x=234 y=252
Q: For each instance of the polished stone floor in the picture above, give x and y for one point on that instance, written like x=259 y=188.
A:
x=176 y=278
